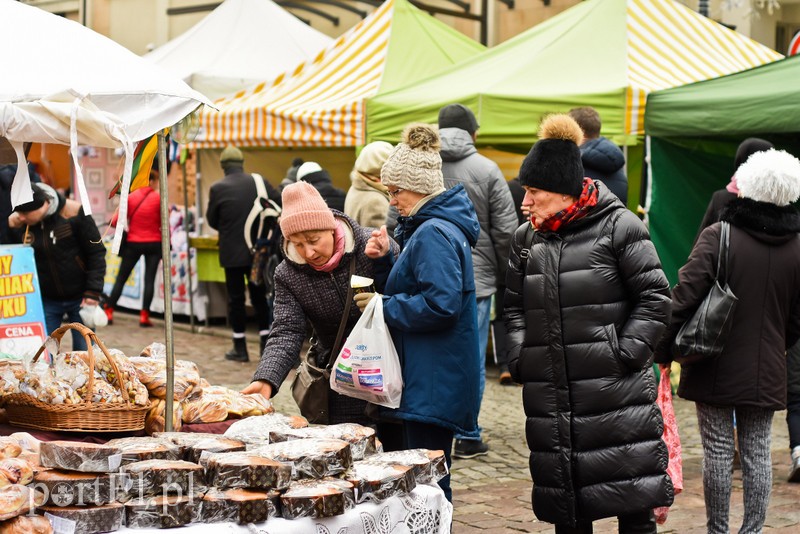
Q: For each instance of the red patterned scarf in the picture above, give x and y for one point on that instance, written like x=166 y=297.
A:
x=574 y=212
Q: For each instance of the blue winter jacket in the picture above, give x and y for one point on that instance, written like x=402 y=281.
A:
x=429 y=305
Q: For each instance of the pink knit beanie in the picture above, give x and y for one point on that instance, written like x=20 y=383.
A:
x=304 y=209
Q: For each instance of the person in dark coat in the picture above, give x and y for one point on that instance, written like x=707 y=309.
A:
x=70 y=257
x=721 y=197
x=602 y=160
x=310 y=286
x=748 y=380
x=312 y=173
x=429 y=297
x=229 y=204
x=585 y=304
x=793 y=409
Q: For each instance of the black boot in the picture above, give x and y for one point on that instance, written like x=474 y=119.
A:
x=239 y=351
x=262 y=345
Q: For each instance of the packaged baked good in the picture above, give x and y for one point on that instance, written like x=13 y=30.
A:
x=164 y=511
x=137 y=392
x=76 y=456
x=73 y=369
x=152 y=372
x=255 y=430
x=311 y=458
x=73 y=488
x=89 y=519
x=193 y=445
x=27 y=524
x=137 y=449
x=429 y=466
x=154 y=350
x=206 y=409
x=376 y=482
x=157 y=477
x=17 y=499
x=40 y=383
x=252 y=404
x=246 y=470
x=241 y=506
x=155 y=420
x=9 y=447
x=10 y=375
x=317 y=498
x=361 y=438
x=15 y=471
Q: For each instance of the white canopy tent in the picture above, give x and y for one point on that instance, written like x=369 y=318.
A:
x=240 y=43
x=73 y=86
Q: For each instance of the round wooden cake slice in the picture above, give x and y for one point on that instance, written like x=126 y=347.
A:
x=239 y=505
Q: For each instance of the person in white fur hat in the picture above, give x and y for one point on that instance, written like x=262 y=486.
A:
x=748 y=380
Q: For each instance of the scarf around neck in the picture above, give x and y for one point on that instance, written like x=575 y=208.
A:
x=338 y=250
x=578 y=209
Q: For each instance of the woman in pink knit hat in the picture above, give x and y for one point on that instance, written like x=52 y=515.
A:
x=311 y=284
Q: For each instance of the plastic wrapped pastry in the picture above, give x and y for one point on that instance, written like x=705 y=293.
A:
x=27 y=524
x=247 y=470
x=376 y=483
x=256 y=430
x=193 y=445
x=155 y=421
x=311 y=458
x=429 y=466
x=317 y=498
x=71 y=488
x=239 y=505
x=90 y=519
x=145 y=448
x=156 y=477
x=9 y=447
x=152 y=372
x=167 y=511
x=15 y=471
x=206 y=409
x=85 y=457
x=17 y=499
x=361 y=438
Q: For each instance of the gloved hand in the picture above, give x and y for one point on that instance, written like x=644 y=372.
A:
x=362 y=299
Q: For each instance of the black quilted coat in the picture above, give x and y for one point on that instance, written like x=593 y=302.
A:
x=583 y=315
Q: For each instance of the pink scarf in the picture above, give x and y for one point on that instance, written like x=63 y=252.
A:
x=338 y=250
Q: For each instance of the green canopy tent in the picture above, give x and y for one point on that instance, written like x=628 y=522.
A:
x=694 y=131
x=608 y=54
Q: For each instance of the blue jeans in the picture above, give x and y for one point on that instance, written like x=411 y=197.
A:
x=54 y=311
x=484 y=313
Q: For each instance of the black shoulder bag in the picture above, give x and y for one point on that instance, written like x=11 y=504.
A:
x=311 y=387
x=702 y=337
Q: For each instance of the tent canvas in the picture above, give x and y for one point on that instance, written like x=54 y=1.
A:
x=240 y=43
x=608 y=54
x=321 y=102
x=63 y=97
x=695 y=131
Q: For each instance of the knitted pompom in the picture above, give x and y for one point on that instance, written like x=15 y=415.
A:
x=561 y=126
x=421 y=136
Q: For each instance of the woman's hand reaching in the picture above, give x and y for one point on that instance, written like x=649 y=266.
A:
x=259 y=386
x=378 y=244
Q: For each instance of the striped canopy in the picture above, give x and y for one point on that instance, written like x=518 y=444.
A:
x=608 y=54
x=321 y=102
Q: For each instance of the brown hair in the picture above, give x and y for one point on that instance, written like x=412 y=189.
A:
x=588 y=119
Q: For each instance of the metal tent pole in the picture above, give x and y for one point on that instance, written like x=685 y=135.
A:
x=167 y=264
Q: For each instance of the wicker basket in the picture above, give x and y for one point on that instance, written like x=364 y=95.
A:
x=26 y=411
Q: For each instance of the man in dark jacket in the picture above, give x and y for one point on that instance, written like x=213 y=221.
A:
x=229 y=204
x=487 y=189
x=70 y=258
x=312 y=173
x=602 y=160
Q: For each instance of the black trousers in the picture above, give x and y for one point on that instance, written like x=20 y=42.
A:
x=234 y=282
x=130 y=254
x=793 y=419
x=637 y=523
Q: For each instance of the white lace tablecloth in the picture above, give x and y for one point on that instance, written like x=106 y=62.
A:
x=424 y=511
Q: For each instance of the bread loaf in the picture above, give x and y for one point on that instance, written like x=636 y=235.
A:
x=69 y=488
x=428 y=466
x=156 y=477
x=155 y=421
x=89 y=519
x=256 y=430
x=145 y=448
x=246 y=470
x=312 y=458
x=17 y=499
x=9 y=447
x=26 y=524
x=160 y=512
x=15 y=471
x=317 y=498
x=362 y=439
x=206 y=409
x=377 y=483
x=239 y=505
x=84 y=457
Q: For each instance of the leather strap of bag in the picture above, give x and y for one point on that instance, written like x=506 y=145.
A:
x=343 y=323
x=722 y=259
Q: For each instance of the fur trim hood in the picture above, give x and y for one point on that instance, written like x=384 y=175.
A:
x=763 y=220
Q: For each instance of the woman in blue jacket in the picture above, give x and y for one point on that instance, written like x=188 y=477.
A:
x=429 y=301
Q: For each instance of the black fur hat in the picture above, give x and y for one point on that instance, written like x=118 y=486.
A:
x=554 y=162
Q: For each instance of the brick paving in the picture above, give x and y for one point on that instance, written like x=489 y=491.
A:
x=492 y=493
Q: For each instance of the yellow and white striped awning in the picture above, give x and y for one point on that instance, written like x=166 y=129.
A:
x=320 y=103
x=671 y=45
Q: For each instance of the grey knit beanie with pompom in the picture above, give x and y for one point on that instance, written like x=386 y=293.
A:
x=415 y=164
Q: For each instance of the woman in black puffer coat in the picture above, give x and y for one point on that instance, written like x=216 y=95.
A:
x=586 y=303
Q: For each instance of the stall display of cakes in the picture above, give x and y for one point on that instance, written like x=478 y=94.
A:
x=266 y=465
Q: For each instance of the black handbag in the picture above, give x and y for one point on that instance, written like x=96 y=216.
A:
x=311 y=387
x=702 y=337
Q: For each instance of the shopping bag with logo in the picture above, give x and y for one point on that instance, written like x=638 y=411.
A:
x=671 y=438
x=368 y=367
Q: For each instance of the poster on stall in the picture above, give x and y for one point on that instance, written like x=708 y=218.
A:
x=131 y=297
x=22 y=327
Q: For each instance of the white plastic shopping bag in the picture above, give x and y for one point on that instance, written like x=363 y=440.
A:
x=367 y=367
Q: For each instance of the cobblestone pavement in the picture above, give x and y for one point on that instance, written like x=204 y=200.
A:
x=492 y=493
